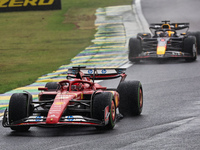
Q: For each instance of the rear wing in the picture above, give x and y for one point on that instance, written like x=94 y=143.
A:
x=99 y=73
x=179 y=26
x=173 y=26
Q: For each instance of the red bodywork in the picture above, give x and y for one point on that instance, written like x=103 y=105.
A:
x=65 y=94
x=70 y=102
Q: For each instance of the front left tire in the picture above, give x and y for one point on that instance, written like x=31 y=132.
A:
x=19 y=108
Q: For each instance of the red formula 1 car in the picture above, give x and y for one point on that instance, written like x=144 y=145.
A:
x=76 y=101
x=165 y=42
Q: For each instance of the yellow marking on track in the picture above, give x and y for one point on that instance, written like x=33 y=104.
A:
x=1 y=106
x=8 y=97
x=101 y=59
x=97 y=47
x=97 y=42
x=47 y=76
x=35 y=96
x=49 y=80
x=5 y=97
x=107 y=37
x=64 y=70
x=28 y=88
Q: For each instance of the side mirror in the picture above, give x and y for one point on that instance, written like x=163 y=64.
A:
x=183 y=34
x=43 y=89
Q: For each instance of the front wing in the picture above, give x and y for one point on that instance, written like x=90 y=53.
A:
x=168 y=54
x=37 y=120
x=66 y=120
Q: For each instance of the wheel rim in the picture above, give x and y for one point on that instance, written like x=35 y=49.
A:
x=113 y=110
x=140 y=98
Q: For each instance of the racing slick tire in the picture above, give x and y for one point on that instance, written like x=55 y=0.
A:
x=188 y=47
x=131 y=98
x=99 y=103
x=19 y=107
x=143 y=35
x=197 y=35
x=135 y=48
x=52 y=85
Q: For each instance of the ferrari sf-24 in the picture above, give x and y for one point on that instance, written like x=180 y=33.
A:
x=78 y=100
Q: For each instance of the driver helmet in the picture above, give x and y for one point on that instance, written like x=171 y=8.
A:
x=77 y=87
x=168 y=27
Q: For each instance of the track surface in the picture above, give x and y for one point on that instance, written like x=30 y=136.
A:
x=171 y=113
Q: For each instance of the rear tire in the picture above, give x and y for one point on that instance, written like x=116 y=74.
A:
x=197 y=35
x=19 y=108
x=52 y=85
x=135 y=49
x=189 y=46
x=100 y=101
x=131 y=98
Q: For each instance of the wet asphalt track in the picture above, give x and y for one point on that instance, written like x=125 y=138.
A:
x=171 y=113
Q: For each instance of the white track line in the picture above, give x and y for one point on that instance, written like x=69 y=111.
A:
x=143 y=21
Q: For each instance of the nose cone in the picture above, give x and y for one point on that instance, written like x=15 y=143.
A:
x=161 y=50
x=52 y=119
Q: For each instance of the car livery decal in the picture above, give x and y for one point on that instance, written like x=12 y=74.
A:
x=103 y=71
x=59 y=103
x=64 y=96
x=35 y=119
x=75 y=94
x=38 y=118
x=90 y=71
x=74 y=119
x=70 y=118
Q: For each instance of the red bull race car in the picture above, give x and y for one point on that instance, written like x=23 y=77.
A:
x=166 y=41
x=78 y=100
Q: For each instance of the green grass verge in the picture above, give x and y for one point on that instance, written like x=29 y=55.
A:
x=35 y=43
